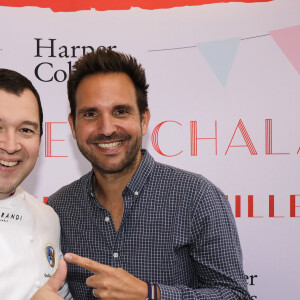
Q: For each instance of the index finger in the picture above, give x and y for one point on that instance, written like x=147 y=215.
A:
x=84 y=262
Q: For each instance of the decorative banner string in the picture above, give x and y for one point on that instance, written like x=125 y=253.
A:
x=187 y=47
x=220 y=54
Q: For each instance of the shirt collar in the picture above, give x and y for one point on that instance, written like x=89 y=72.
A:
x=141 y=175
x=11 y=194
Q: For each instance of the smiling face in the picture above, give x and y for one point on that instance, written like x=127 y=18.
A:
x=108 y=126
x=19 y=138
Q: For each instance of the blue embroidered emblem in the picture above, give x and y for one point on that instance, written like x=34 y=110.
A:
x=50 y=254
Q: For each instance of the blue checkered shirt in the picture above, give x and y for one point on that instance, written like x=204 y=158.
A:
x=177 y=230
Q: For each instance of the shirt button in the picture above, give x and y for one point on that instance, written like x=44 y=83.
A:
x=30 y=238
x=116 y=255
x=107 y=219
x=136 y=193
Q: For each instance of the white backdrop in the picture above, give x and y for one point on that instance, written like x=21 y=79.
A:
x=224 y=71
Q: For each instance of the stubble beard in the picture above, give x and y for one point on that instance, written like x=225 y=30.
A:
x=126 y=165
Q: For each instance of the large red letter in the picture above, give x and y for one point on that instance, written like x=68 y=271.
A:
x=154 y=139
x=49 y=140
x=269 y=137
x=272 y=208
x=194 y=138
x=246 y=137
x=238 y=206
x=250 y=208
x=293 y=206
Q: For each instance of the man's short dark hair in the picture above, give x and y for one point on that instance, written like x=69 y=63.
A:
x=15 y=83
x=105 y=61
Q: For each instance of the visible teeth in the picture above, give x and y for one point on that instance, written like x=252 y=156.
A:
x=8 y=163
x=110 y=145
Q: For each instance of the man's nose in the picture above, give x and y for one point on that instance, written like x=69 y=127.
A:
x=9 y=142
x=107 y=125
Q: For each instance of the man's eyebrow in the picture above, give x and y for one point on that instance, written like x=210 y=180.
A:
x=30 y=123
x=123 y=106
x=34 y=124
x=85 y=109
x=93 y=109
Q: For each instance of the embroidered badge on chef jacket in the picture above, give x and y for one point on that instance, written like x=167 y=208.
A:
x=50 y=254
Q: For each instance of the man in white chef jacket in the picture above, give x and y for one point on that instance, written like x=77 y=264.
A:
x=29 y=230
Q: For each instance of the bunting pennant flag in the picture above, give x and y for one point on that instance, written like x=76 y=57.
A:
x=288 y=40
x=220 y=56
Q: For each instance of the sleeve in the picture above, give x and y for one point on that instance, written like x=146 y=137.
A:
x=64 y=291
x=216 y=252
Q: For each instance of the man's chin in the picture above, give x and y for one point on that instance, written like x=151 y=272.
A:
x=122 y=163
x=109 y=169
x=7 y=190
x=122 y=167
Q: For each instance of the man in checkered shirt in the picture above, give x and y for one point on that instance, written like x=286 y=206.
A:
x=142 y=229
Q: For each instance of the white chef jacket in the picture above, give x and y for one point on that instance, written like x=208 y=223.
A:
x=29 y=246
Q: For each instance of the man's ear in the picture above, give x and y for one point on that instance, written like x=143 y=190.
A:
x=145 y=121
x=72 y=125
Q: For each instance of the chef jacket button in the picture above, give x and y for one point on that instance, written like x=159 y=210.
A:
x=30 y=238
x=38 y=284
